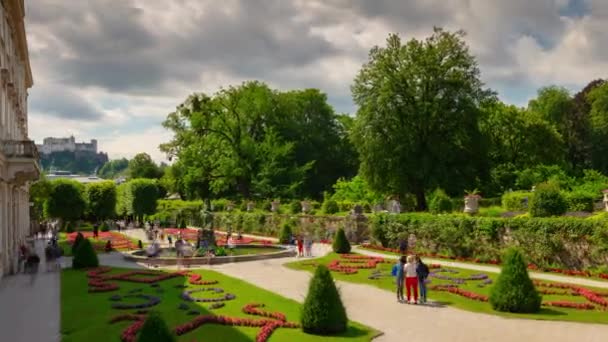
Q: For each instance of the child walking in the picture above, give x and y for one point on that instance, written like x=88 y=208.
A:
x=411 y=279
x=399 y=279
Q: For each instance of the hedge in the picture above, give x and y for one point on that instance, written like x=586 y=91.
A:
x=546 y=242
x=515 y=200
x=580 y=200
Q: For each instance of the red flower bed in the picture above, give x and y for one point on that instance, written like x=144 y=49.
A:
x=130 y=333
x=98 y=282
x=570 y=305
x=118 y=241
x=251 y=309
x=593 y=297
x=463 y=293
x=491 y=262
x=360 y=261
x=195 y=279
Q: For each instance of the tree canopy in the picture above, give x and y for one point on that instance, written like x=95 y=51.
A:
x=65 y=201
x=142 y=166
x=101 y=200
x=113 y=168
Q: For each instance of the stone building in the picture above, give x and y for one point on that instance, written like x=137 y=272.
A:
x=18 y=154
x=50 y=145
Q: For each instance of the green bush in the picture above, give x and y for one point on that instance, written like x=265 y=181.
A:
x=183 y=225
x=295 y=207
x=330 y=207
x=219 y=204
x=440 y=202
x=85 y=256
x=580 y=200
x=77 y=241
x=514 y=200
x=514 y=290
x=285 y=237
x=155 y=329
x=220 y=251
x=104 y=227
x=341 y=244
x=547 y=201
x=490 y=202
x=69 y=227
x=323 y=312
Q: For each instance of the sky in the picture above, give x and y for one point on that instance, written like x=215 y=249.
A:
x=112 y=70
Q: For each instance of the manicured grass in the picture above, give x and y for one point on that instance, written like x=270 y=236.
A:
x=387 y=282
x=85 y=316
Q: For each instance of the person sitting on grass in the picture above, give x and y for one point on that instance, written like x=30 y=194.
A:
x=411 y=279
x=422 y=271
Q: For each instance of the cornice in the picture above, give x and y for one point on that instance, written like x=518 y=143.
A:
x=16 y=13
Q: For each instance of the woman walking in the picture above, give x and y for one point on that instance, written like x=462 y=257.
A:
x=411 y=279
x=300 y=247
x=422 y=271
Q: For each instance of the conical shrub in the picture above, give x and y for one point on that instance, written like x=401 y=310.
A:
x=323 y=312
x=85 y=255
x=341 y=244
x=155 y=329
x=514 y=290
x=77 y=241
x=285 y=237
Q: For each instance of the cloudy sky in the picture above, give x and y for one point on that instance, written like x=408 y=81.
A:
x=113 y=69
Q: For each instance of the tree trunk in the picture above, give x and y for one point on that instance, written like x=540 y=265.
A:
x=420 y=200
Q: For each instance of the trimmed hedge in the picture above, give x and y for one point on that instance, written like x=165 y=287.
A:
x=547 y=201
x=323 y=312
x=77 y=241
x=580 y=200
x=341 y=244
x=514 y=290
x=155 y=329
x=330 y=207
x=514 y=201
x=547 y=242
x=85 y=256
x=440 y=202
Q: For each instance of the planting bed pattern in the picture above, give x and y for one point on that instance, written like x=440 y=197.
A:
x=118 y=240
x=532 y=267
x=220 y=238
x=98 y=282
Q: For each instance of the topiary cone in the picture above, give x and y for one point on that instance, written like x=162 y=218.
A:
x=341 y=244
x=85 y=256
x=77 y=241
x=155 y=329
x=514 y=290
x=285 y=236
x=323 y=312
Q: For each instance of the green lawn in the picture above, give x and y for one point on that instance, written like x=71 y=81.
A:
x=85 y=316
x=386 y=281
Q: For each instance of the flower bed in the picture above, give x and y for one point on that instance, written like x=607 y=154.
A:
x=187 y=295
x=118 y=241
x=220 y=237
x=533 y=267
x=356 y=262
x=130 y=333
x=98 y=282
x=151 y=301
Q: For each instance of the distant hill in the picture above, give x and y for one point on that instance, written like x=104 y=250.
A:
x=76 y=162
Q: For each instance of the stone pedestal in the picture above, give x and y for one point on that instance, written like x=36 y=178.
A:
x=229 y=206
x=274 y=206
x=394 y=207
x=471 y=204
x=306 y=207
x=250 y=206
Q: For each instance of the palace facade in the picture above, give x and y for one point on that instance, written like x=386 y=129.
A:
x=18 y=154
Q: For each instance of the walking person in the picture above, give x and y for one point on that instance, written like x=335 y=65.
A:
x=411 y=279
x=96 y=230
x=308 y=246
x=397 y=272
x=300 y=247
x=402 y=246
x=422 y=271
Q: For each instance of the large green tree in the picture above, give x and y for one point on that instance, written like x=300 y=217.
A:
x=142 y=166
x=39 y=194
x=417 y=123
x=598 y=118
x=114 y=168
x=101 y=200
x=66 y=201
x=137 y=198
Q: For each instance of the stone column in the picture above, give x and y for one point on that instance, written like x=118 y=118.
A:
x=605 y=199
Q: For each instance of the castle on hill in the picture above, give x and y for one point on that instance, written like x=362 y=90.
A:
x=50 y=145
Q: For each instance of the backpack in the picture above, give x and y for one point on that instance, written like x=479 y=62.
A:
x=395 y=270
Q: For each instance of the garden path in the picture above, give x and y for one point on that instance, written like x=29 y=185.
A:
x=378 y=309
x=30 y=311
x=496 y=269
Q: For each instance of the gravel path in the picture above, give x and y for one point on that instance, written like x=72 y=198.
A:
x=496 y=269
x=401 y=322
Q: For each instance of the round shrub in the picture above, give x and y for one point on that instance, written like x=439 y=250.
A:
x=547 y=201
x=155 y=329
x=440 y=202
x=104 y=227
x=285 y=237
x=295 y=207
x=341 y=244
x=514 y=290
x=77 y=241
x=140 y=245
x=85 y=256
x=516 y=200
x=580 y=200
x=330 y=207
x=323 y=312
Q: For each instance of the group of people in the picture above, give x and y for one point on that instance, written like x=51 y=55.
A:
x=413 y=273
x=304 y=245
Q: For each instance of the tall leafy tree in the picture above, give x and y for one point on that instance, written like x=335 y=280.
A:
x=66 y=201
x=142 y=166
x=417 y=123
x=137 y=198
x=598 y=117
x=101 y=199
x=39 y=194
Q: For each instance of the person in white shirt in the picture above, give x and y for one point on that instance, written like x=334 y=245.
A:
x=411 y=278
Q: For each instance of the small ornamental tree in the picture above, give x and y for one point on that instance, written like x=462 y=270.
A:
x=85 y=256
x=341 y=244
x=285 y=237
x=547 y=201
x=77 y=241
x=323 y=312
x=514 y=290
x=440 y=202
x=330 y=207
x=155 y=329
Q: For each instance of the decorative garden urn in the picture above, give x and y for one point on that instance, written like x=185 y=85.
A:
x=306 y=207
x=229 y=206
x=250 y=206
x=471 y=204
x=605 y=199
x=274 y=206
